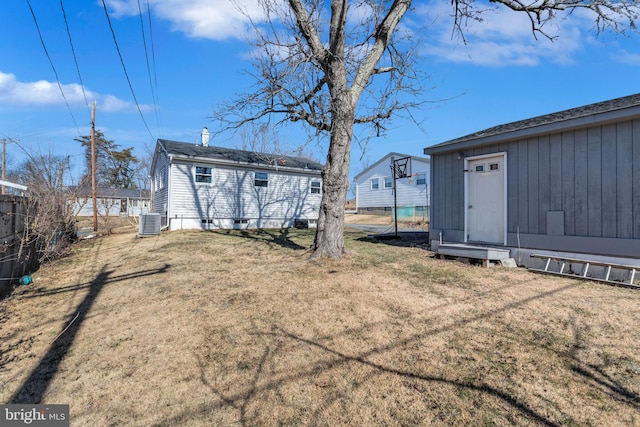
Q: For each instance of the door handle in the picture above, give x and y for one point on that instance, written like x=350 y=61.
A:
x=470 y=206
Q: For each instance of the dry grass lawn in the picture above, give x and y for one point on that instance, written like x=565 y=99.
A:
x=240 y=328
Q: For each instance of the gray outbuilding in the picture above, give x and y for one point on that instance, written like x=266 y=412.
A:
x=565 y=182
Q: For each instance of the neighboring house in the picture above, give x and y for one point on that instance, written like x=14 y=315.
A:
x=110 y=201
x=374 y=187
x=206 y=187
x=568 y=182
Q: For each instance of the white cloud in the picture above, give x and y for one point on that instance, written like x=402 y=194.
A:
x=502 y=38
x=111 y=104
x=120 y=8
x=208 y=19
x=627 y=58
x=43 y=93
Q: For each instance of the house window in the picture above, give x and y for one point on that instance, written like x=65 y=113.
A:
x=422 y=179
x=203 y=174
x=240 y=221
x=388 y=182
x=375 y=184
x=479 y=168
x=261 y=179
x=315 y=187
x=494 y=166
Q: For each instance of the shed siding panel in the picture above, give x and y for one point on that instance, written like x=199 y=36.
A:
x=512 y=187
x=555 y=172
x=543 y=184
x=440 y=202
x=594 y=185
x=449 y=199
x=568 y=189
x=438 y=195
x=448 y=202
x=523 y=187
x=636 y=179
x=624 y=169
x=532 y=201
x=581 y=179
x=609 y=187
x=457 y=208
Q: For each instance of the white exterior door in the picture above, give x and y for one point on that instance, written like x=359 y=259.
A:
x=486 y=199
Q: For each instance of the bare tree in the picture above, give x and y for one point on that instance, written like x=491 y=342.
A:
x=262 y=139
x=314 y=68
x=50 y=220
x=618 y=16
x=334 y=65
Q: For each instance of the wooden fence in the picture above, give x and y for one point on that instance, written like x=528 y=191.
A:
x=17 y=258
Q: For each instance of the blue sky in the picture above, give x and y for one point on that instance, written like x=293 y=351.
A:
x=502 y=74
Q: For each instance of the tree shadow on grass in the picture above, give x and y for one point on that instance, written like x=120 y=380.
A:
x=111 y=279
x=595 y=375
x=276 y=237
x=34 y=387
x=404 y=239
x=336 y=359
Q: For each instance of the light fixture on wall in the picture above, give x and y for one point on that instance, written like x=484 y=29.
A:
x=460 y=155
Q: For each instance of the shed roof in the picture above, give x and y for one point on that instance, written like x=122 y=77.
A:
x=192 y=151
x=613 y=109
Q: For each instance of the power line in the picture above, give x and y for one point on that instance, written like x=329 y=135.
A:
x=126 y=74
x=146 y=55
x=52 y=66
x=75 y=59
x=153 y=51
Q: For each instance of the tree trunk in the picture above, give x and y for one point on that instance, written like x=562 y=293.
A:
x=329 y=240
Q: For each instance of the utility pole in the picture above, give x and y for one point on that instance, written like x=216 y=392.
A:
x=93 y=166
x=4 y=160
x=4 y=163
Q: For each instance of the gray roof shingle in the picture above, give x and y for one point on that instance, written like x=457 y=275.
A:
x=188 y=150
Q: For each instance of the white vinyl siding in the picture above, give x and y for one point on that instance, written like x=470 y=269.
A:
x=409 y=192
x=237 y=198
x=161 y=185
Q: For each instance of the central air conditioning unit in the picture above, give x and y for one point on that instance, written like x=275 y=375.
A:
x=149 y=224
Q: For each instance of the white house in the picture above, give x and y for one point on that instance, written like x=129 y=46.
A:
x=110 y=201
x=204 y=187
x=374 y=186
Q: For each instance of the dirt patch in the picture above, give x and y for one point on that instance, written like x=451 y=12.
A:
x=386 y=220
x=227 y=328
